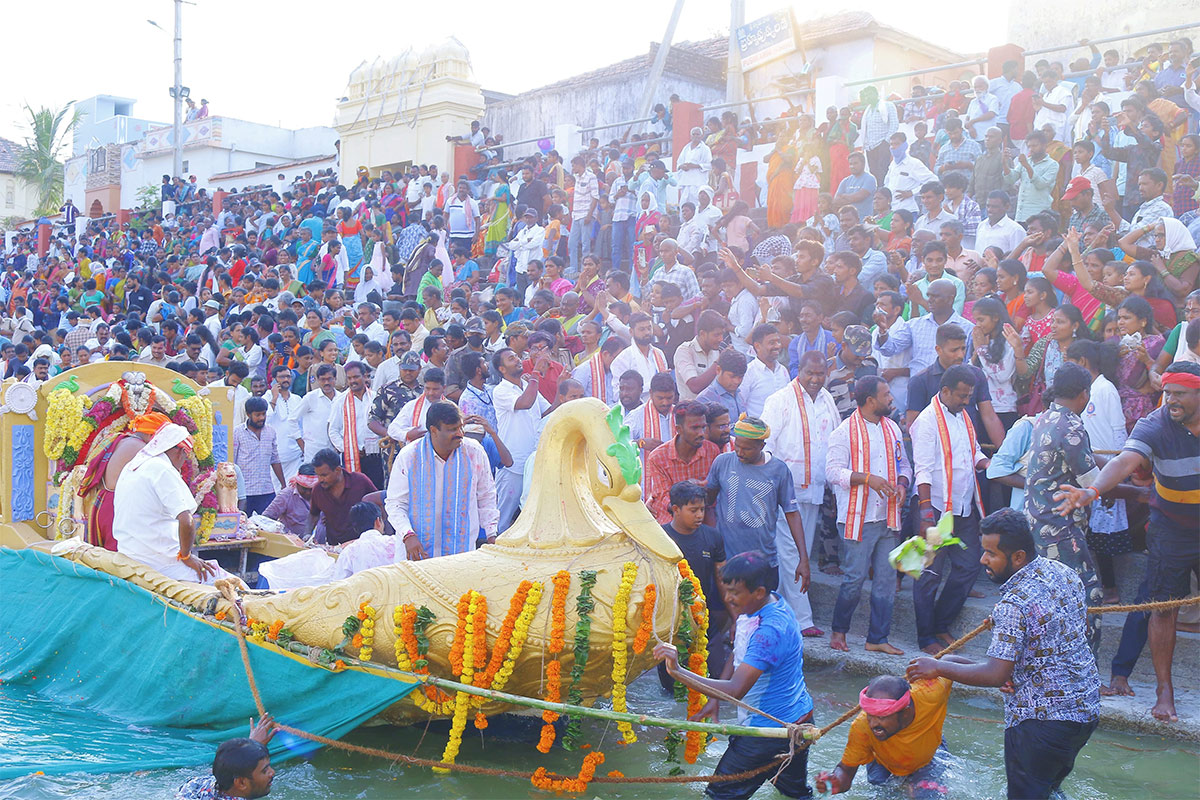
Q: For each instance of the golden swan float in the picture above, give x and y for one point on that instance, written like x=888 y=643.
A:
x=584 y=513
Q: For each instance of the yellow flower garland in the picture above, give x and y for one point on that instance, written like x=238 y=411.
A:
x=63 y=413
x=519 y=635
x=619 y=651
x=200 y=409
x=368 y=633
x=462 y=700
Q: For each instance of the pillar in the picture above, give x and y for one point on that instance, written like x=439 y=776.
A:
x=684 y=117
x=43 y=237
x=218 y=200
x=830 y=90
x=1005 y=52
x=465 y=158
x=567 y=141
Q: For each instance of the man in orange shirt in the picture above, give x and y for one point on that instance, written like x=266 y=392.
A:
x=898 y=734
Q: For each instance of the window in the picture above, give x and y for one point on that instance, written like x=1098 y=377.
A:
x=10 y=193
x=184 y=165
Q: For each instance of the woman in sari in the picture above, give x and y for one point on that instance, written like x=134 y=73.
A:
x=1140 y=279
x=327 y=353
x=647 y=213
x=839 y=138
x=808 y=182
x=781 y=176
x=307 y=250
x=589 y=285
x=315 y=334
x=350 y=229
x=497 y=227
x=1037 y=366
x=1040 y=301
x=1138 y=344
x=1173 y=255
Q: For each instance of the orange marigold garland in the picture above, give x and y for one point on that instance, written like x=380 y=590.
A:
x=547 y=781
x=558 y=627
x=693 y=632
x=411 y=646
x=469 y=619
x=509 y=643
x=646 y=629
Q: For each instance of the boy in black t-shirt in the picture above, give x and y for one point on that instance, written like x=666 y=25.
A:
x=704 y=548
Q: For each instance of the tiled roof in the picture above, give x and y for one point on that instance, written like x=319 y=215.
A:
x=8 y=155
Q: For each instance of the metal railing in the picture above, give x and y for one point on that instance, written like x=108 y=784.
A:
x=750 y=100
x=1110 y=39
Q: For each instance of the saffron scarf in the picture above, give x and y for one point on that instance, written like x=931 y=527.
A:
x=455 y=513
x=350 y=434
x=652 y=429
x=801 y=402
x=860 y=461
x=948 y=454
x=599 y=379
x=417 y=406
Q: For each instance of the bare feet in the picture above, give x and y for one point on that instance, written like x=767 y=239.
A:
x=837 y=641
x=1119 y=687
x=1164 y=709
x=1187 y=627
x=932 y=649
x=831 y=569
x=946 y=639
x=884 y=647
x=812 y=632
x=975 y=593
x=1111 y=596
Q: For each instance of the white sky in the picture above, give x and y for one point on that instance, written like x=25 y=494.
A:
x=286 y=62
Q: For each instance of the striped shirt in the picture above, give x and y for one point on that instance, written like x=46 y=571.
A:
x=1174 y=455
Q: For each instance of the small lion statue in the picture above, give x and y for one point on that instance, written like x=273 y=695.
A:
x=226 y=488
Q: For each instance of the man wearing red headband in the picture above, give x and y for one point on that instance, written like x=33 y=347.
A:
x=1166 y=440
x=898 y=733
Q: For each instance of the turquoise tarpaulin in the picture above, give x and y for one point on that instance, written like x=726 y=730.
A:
x=141 y=684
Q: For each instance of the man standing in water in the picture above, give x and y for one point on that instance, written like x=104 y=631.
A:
x=1039 y=646
x=1166 y=440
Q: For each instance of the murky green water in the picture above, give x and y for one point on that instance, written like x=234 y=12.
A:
x=1111 y=767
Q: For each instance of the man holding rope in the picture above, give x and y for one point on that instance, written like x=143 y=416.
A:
x=1040 y=648
x=1167 y=440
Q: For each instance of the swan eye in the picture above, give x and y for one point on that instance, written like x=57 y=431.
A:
x=602 y=474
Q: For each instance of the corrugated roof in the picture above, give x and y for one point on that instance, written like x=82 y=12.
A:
x=8 y=155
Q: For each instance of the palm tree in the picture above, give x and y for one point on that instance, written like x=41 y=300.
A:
x=38 y=163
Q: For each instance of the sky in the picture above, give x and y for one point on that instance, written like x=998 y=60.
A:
x=288 y=63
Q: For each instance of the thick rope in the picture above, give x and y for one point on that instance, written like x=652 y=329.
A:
x=802 y=735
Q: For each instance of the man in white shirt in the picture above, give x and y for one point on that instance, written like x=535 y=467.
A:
x=743 y=311
x=906 y=175
x=641 y=356
x=312 y=416
x=153 y=508
x=418 y=490
x=624 y=216
x=212 y=319
x=933 y=197
x=462 y=216
x=692 y=166
x=1053 y=103
x=282 y=414
x=358 y=444
x=888 y=316
x=409 y=424
x=519 y=411
x=869 y=471
x=696 y=359
x=998 y=228
x=943 y=435
x=801 y=416
x=764 y=375
x=527 y=244
x=235 y=374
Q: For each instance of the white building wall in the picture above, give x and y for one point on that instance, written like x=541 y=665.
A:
x=849 y=60
x=1034 y=24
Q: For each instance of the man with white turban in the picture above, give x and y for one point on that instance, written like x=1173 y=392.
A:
x=153 y=508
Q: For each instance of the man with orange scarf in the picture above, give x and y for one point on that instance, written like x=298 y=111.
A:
x=100 y=479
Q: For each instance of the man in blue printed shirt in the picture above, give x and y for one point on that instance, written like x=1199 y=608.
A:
x=766 y=672
x=1039 y=647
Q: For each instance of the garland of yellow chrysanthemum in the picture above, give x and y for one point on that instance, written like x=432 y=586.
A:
x=364 y=640
x=691 y=598
x=200 y=409
x=558 y=626
x=620 y=656
x=411 y=647
x=509 y=643
x=546 y=781
x=63 y=413
x=467 y=660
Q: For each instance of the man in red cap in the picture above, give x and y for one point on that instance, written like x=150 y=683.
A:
x=1085 y=211
x=898 y=734
x=1167 y=441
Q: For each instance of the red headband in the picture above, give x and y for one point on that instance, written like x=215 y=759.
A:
x=1185 y=379
x=883 y=706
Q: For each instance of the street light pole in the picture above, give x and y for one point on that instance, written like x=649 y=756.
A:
x=177 y=92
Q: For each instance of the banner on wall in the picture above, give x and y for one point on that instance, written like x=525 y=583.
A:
x=766 y=39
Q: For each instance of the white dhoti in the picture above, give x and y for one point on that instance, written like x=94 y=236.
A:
x=789 y=559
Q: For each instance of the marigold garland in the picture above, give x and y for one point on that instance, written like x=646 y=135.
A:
x=558 y=626
x=411 y=646
x=462 y=700
x=509 y=643
x=620 y=656
x=547 y=781
x=646 y=629
x=63 y=413
x=584 y=605
x=366 y=634
x=695 y=623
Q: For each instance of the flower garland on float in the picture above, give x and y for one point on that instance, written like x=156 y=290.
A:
x=620 y=656
x=474 y=615
x=412 y=645
x=584 y=605
x=558 y=627
x=541 y=779
x=509 y=643
x=693 y=631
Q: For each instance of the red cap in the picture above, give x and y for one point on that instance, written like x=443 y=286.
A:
x=1076 y=187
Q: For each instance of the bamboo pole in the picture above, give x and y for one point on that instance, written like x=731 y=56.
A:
x=544 y=705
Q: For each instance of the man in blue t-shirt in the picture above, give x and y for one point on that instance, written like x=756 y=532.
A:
x=766 y=673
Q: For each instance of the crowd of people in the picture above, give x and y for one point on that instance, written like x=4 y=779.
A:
x=998 y=312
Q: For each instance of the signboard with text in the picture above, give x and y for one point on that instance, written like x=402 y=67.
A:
x=766 y=39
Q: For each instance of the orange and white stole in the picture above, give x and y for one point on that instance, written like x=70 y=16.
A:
x=801 y=402
x=860 y=461
x=350 y=434
x=660 y=360
x=417 y=406
x=599 y=380
x=948 y=455
x=652 y=429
